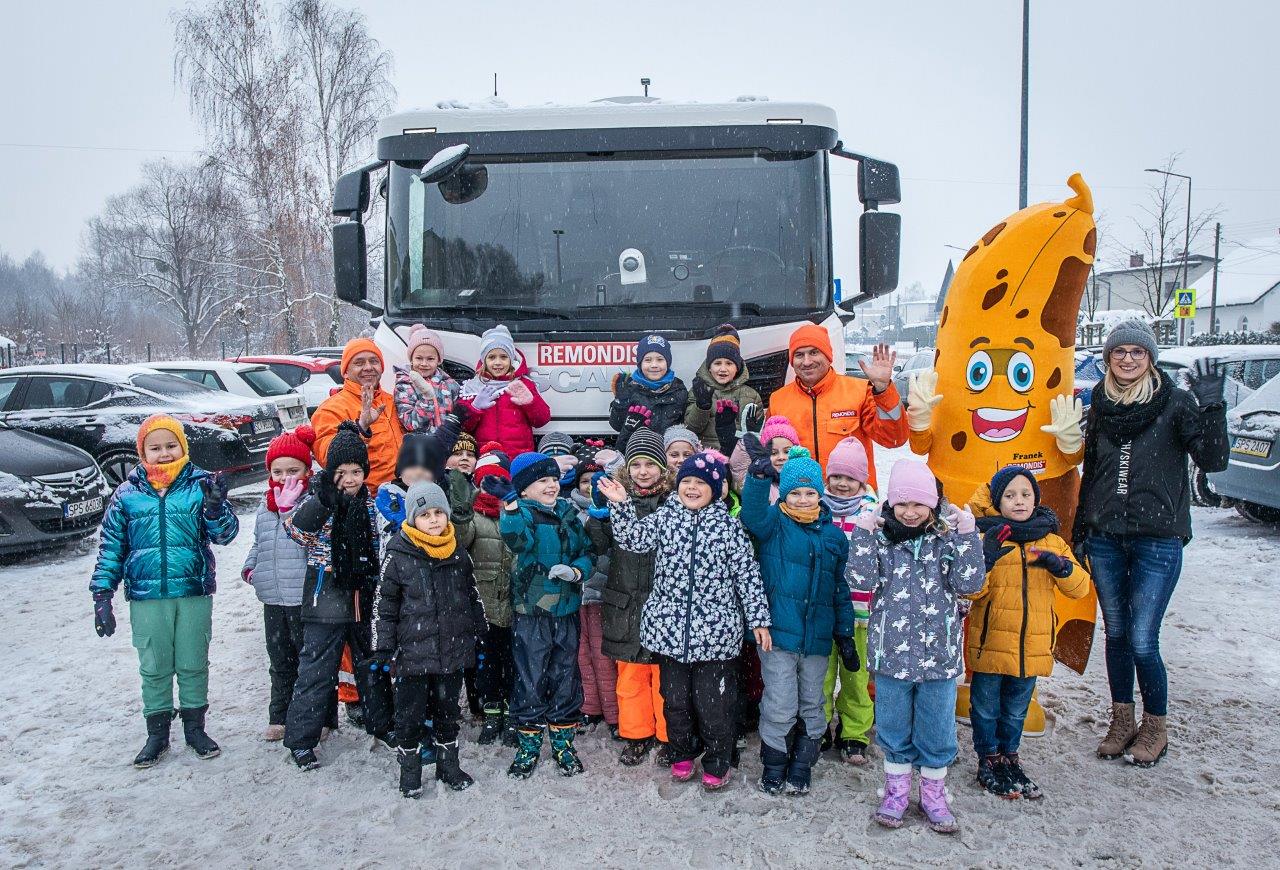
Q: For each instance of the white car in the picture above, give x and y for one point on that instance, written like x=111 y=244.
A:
x=243 y=379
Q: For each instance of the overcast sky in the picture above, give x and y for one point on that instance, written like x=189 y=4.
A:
x=931 y=85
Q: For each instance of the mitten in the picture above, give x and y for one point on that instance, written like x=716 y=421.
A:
x=761 y=465
x=702 y=393
x=563 y=573
x=498 y=487
x=1058 y=566
x=994 y=547
x=215 y=493
x=961 y=519
x=104 y=619
x=848 y=653
x=289 y=493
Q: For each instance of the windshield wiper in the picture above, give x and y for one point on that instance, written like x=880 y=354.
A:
x=466 y=310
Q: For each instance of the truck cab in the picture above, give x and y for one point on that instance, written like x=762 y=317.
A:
x=583 y=227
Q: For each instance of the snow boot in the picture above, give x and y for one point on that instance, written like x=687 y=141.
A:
x=526 y=760
x=853 y=751
x=682 y=771
x=491 y=730
x=934 y=803
x=1018 y=778
x=193 y=731
x=1151 y=743
x=775 y=769
x=711 y=782
x=510 y=734
x=665 y=755
x=1121 y=733
x=410 y=758
x=562 y=749
x=448 y=770
x=157 y=740
x=355 y=715
x=589 y=722
x=895 y=796
x=304 y=758
x=800 y=768
x=635 y=752
x=615 y=733
x=995 y=777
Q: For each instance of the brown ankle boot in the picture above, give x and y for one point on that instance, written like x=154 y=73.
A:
x=1121 y=734
x=1151 y=744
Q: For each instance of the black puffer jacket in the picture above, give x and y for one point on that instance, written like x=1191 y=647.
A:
x=427 y=609
x=627 y=589
x=1138 y=485
x=667 y=406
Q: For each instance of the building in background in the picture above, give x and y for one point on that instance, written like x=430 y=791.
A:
x=1248 y=288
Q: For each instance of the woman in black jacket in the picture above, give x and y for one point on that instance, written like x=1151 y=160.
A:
x=1135 y=517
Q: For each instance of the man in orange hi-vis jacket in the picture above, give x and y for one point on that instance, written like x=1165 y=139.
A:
x=826 y=407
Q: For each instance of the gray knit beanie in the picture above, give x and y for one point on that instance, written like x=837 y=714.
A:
x=1133 y=331
x=423 y=496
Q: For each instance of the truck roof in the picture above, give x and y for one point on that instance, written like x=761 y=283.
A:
x=452 y=116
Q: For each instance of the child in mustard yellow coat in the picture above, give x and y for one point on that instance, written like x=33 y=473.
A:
x=1010 y=636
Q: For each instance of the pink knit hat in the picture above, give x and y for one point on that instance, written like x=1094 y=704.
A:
x=778 y=427
x=912 y=481
x=419 y=335
x=849 y=458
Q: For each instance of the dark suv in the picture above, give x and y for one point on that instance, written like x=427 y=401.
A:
x=98 y=408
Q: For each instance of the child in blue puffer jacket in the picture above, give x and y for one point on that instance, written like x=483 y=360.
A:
x=156 y=534
x=802 y=561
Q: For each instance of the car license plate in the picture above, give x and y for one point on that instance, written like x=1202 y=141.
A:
x=73 y=509
x=1252 y=447
x=296 y=415
x=260 y=426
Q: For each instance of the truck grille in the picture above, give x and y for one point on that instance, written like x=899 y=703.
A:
x=768 y=372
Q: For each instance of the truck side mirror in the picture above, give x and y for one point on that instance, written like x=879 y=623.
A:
x=349 y=262
x=351 y=193
x=879 y=238
x=445 y=162
x=878 y=183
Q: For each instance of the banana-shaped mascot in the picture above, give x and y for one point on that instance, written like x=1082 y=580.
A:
x=1000 y=392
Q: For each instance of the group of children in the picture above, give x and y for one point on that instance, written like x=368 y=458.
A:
x=573 y=586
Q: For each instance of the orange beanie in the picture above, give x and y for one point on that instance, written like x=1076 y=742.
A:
x=811 y=335
x=165 y=422
x=360 y=345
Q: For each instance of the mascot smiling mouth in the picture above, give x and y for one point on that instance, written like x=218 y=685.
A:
x=997 y=424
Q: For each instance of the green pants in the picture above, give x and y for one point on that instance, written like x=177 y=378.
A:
x=852 y=703
x=172 y=639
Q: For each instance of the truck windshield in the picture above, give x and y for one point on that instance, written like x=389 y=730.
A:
x=608 y=239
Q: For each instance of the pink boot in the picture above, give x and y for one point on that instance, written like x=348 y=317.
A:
x=682 y=771
x=713 y=783
x=895 y=796
x=933 y=801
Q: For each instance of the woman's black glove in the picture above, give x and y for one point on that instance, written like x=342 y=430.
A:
x=848 y=651
x=1207 y=383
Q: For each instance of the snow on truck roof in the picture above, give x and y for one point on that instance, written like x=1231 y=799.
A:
x=452 y=116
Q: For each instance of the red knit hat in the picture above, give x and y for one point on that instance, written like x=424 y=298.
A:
x=295 y=445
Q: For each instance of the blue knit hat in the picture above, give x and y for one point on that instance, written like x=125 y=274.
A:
x=1002 y=478
x=799 y=470
x=706 y=468
x=653 y=344
x=528 y=468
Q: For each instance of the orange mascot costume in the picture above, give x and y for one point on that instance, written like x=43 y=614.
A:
x=1000 y=392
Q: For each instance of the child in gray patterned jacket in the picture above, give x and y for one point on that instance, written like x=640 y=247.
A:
x=916 y=566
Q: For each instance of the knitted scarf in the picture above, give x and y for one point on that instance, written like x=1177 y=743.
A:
x=843 y=507
x=803 y=516
x=1043 y=521
x=435 y=546
x=162 y=475
x=1123 y=422
x=487 y=504
x=897 y=532
x=355 y=553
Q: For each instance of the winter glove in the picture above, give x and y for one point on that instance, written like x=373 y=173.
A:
x=459 y=412
x=702 y=393
x=761 y=465
x=379 y=661
x=1058 y=566
x=994 y=547
x=848 y=654
x=1207 y=383
x=1065 y=414
x=246 y=575
x=568 y=462
x=498 y=487
x=869 y=521
x=637 y=416
x=726 y=424
x=487 y=397
x=104 y=620
x=326 y=491
x=289 y=493
x=564 y=573
x=215 y=493
x=961 y=519
x=921 y=400
x=519 y=393
x=752 y=418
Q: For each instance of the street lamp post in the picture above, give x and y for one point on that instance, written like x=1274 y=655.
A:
x=1186 y=240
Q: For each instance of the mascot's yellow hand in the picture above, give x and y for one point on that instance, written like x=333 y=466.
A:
x=921 y=400
x=1065 y=413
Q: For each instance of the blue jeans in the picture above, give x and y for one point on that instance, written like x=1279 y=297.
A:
x=1135 y=577
x=916 y=722
x=997 y=708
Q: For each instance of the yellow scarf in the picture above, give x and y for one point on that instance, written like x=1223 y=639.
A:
x=162 y=475
x=435 y=546
x=802 y=516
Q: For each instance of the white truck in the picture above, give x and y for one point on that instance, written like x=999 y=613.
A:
x=583 y=227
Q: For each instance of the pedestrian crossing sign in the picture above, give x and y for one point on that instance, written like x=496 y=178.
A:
x=1186 y=304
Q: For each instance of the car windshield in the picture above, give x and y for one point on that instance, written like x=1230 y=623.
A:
x=610 y=238
x=170 y=385
x=265 y=382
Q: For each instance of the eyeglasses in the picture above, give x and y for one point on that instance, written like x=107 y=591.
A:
x=1137 y=354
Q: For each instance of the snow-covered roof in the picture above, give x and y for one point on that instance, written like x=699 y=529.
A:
x=453 y=116
x=1245 y=273
x=1168 y=266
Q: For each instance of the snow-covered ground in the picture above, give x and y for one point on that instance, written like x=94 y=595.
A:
x=70 y=724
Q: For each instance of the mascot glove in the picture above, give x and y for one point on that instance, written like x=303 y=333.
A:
x=921 y=400
x=1065 y=413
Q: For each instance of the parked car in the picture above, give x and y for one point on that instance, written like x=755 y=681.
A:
x=98 y=408
x=902 y=370
x=324 y=351
x=50 y=492
x=1251 y=483
x=1247 y=366
x=243 y=379
x=315 y=377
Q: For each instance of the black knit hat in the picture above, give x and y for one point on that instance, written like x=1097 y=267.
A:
x=1001 y=479
x=645 y=442
x=420 y=450
x=725 y=345
x=347 y=447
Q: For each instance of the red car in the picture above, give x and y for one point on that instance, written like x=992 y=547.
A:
x=316 y=378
